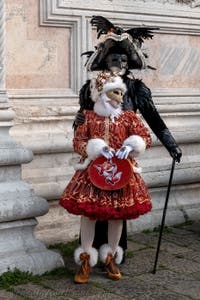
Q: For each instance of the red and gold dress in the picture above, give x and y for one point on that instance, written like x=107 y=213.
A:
x=81 y=197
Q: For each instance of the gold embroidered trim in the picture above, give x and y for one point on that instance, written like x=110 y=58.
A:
x=106 y=134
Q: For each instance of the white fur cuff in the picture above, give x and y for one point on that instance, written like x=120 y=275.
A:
x=106 y=249
x=92 y=253
x=119 y=255
x=137 y=142
x=94 y=147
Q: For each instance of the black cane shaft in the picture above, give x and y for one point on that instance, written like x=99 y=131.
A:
x=163 y=216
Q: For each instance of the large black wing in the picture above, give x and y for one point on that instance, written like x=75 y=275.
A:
x=152 y=117
x=141 y=33
x=102 y=24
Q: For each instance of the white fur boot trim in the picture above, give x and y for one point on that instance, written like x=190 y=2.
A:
x=106 y=249
x=119 y=255
x=93 y=256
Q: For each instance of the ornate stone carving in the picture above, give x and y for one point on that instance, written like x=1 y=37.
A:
x=191 y=3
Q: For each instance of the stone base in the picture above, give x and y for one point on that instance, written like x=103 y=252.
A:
x=183 y=205
x=19 y=249
x=57 y=225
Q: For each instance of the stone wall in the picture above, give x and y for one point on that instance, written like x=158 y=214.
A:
x=45 y=71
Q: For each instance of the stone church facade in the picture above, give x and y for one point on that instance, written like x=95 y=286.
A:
x=43 y=74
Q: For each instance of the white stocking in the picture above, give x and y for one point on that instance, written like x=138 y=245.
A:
x=87 y=233
x=114 y=233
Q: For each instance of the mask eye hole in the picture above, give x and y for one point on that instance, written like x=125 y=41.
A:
x=116 y=92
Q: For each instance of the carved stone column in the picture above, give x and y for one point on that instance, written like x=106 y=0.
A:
x=18 y=203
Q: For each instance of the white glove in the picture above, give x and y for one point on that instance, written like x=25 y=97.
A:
x=107 y=152
x=124 y=151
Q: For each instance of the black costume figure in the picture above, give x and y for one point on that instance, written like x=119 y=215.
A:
x=121 y=50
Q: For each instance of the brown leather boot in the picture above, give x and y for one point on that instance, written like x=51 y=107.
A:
x=112 y=270
x=110 y=261
x=82 y=275
x=86 y=260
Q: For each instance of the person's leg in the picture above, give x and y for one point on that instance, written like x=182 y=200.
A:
x=87 y=233
x=101 y=236
x=111 y=254
x=85 y=255
x=114 y=234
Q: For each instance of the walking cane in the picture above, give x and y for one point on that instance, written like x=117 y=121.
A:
x=164 y=214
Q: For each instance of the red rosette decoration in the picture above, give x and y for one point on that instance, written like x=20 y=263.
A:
x=110 y=174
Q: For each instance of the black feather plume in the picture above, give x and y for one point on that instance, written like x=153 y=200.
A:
x=102 y=24
x=141 y=33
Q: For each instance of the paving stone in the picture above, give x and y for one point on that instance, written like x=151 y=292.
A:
x=189 y=240
x=125 y=287
x=4 y=295
x=132 y=288
x=177 y=276
x=163 y=277
x=195 y=256
x=149 y=239
x=162 y=295
x=196 y=276
x=187 y=288
x=178 y=264
x=194 y=227
x=68 y=287
x=132 y=246
x=180 y=231
x=104 y=296
x=36 y=292
x=141 y=262
x=174 y=248
x=136 y=289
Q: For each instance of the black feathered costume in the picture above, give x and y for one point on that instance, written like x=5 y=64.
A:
x=138 y=95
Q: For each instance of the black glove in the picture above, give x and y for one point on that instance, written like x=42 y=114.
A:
x=79 y=119
x=176 y=153
x=170 y=144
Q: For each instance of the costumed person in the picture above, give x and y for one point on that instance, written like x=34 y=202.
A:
x=121 y=50
x=114 y=135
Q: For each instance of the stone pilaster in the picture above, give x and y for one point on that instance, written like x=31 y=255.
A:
x=19 y=205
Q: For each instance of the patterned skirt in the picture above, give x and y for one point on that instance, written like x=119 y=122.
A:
x=81 y=197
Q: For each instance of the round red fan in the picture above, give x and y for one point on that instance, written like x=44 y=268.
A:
x=110 y=174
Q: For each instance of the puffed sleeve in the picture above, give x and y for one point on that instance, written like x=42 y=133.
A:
x=136 y=127
x=81 y=137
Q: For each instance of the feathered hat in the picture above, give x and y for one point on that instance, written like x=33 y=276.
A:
x=118 y=40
